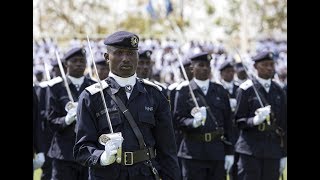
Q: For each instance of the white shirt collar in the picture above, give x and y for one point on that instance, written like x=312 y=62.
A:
x=125 y=82
x=227 y=85
x=76 y=81
x=204 y=85
x=264 y=82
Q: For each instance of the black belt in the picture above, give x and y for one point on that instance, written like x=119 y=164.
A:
x=130 y=158
x=265 y=127
x=206 y=137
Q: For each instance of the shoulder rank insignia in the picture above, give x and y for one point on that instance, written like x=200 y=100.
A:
x=173 y=86
x=151 y=84
x=43 y=84
x=54 y=81
x=94 y=88
x=248 y=83
x=184 y=83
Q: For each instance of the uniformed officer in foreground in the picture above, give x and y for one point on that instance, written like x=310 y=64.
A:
x=148 y=156
x=262 y=140
x=205 y=148
x=62 y=119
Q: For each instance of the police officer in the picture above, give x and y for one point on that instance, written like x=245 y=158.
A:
x=241 y=75
x=205 y=149
x=148 y=149
x=102 y=68
x=227 y=72
x=62 y=117
x=38 y=149
x=262 y=140
x=144 y=69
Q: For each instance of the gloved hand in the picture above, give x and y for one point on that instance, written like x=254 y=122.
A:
x=283 y=163
x=228 y=162
x=233 y=103
x=200 y=116
x=110 y=149
x=71 y=108
x=261 y=114
x=38 y=161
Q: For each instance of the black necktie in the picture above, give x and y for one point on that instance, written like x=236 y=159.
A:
x=123 y=95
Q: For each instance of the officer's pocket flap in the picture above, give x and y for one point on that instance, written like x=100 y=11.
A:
x=147 y=117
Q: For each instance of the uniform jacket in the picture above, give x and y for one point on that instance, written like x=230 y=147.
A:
x=149 y=108
x=252 y=141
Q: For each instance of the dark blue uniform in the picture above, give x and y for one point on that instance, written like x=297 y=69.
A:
x=64 y=165
x=260 y=147
x=150 y=110
x=37 y=138
x=46 y=133
x=234 y=169
x=203 y=154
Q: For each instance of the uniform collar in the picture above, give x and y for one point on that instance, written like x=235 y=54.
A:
x=266 y=83
x=124 y=81
x=77 y=82
x=203 y=85
x=227 y=85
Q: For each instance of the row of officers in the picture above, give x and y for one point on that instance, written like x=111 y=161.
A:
x=128 y=126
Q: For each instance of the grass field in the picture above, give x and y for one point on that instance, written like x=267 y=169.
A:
x=37 y=174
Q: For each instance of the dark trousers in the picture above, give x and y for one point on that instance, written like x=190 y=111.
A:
x=68 y=170
x=202 y=170
x=252 y=168
x=46 y=169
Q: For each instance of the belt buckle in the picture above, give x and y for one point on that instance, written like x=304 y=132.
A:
x=125 y=158
x=262 y=127
x=207 y=137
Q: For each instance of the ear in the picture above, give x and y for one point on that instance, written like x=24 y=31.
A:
x=106 y=56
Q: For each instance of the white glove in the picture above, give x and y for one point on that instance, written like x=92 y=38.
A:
x=261 y=115
x=200 y=116
x=38 y=161
x=71 y=108
x=110 y=149
x=228 y=162
x=233 y=103
x=283 y=163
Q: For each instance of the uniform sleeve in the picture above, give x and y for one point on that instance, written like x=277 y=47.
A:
x=165 y=141
x=228 y=124
x=283 y=124
x=243 y=117
x=85 y=150
x=56 y=116
x=182 y=112
x=38 y=145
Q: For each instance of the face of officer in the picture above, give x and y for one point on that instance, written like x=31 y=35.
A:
x=242 y=75
x=144 y=68
x=76 y=66
x=122 y=62
x=227 y=74
x=201 y=70
x=103 y=70
x=265 y=69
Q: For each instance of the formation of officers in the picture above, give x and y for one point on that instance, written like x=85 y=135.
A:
x=124 y=124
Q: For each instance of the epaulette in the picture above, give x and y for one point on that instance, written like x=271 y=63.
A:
x=182 y=84
x=151 y=84
x=173 y=86
x=94 y=88
x=54 y=81
x=245 y=85
x=43 y=84
x=159 y=84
